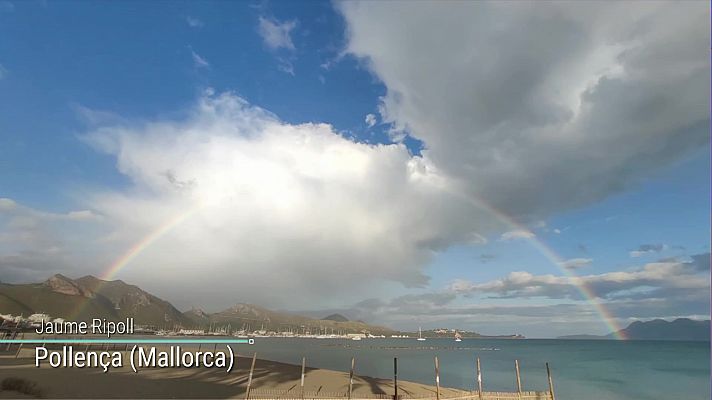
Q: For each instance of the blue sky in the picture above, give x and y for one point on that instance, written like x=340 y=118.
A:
x=93 y=96
x=71 y=55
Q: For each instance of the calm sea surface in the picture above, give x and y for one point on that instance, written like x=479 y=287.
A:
x=582 y=369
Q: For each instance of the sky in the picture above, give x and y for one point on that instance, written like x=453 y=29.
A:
x=541 y=169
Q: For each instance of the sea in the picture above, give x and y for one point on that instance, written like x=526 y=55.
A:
x=581 y=369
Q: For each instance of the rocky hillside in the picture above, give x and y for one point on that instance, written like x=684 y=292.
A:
x=90 y=297
x=86 y=298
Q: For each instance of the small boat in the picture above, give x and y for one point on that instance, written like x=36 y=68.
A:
x=356 y=338
x=420 y=334
x=458 y=337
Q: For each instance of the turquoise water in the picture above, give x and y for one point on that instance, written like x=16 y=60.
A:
x=582 y=369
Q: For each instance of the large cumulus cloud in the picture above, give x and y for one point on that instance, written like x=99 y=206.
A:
x=258 y=206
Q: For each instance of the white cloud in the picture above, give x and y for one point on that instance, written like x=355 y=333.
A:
x=276 y=207
x=517 y=234
x=275 y=34
x=81 y=215
x=576 y=263
x=671 y=280
x=194 y=22
x=10 y=207
x=653 y=290
x=285 y=66
x=35 y=244
x=370 y=120
x=645 y=249
x=7 y=204
x=198 y=60
x=541 y=109
x=277 y=37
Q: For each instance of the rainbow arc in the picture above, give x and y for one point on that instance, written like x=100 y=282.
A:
x=152 y=237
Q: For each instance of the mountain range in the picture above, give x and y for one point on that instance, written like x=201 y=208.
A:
x=90 y=297
x=657 y=329
x=252 y=317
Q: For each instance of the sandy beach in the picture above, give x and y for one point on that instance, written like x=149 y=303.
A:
x=197 y=383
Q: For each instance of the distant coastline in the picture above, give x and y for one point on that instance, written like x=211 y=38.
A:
x=681 y=329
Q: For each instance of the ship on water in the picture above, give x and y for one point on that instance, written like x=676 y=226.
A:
x=420 y=334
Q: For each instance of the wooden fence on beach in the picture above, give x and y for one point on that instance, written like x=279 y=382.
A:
x=264 y=394
x=298 y=393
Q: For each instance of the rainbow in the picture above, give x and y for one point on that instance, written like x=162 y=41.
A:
x=145 y=242
x=587 y=293
x=610 y=321
x=120 y=263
